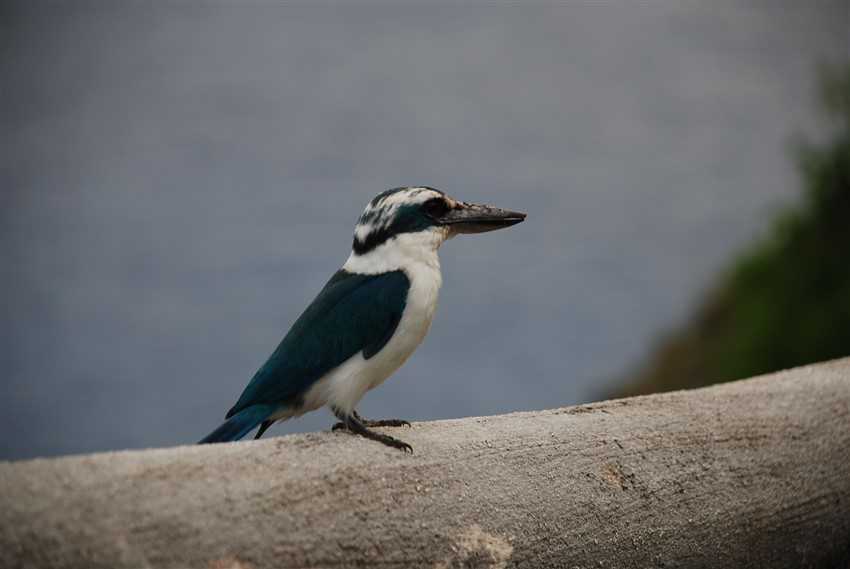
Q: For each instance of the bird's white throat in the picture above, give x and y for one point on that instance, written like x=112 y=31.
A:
x=409 y=252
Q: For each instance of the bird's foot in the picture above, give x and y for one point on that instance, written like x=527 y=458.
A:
x=355 y=425
x=387 y=423
x=373 y=423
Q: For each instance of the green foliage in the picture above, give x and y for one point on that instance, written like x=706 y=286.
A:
x=785 y=302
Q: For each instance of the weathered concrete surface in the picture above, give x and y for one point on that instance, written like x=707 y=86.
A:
x=749 y=474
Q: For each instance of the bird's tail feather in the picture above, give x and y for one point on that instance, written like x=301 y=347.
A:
x=239 y=424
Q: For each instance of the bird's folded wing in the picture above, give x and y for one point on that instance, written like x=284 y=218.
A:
x=353 y=313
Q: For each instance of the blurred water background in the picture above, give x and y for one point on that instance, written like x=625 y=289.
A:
x=180 y=179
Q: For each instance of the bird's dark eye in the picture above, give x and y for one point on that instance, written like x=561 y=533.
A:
x=435 y=207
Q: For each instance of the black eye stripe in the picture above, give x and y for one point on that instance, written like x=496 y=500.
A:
x=435 y=207
x=386 y=217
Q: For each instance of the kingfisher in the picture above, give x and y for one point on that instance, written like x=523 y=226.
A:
x=367 y=320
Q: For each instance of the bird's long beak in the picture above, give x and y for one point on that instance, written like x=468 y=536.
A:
x=474 y=218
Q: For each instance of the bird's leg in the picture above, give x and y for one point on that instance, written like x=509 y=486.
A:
x=381 y=422
x=352 y=422
x=375 y=423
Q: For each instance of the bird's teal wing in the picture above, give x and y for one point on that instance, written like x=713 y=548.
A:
x=353 y=313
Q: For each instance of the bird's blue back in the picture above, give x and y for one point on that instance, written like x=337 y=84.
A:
x=352 y=313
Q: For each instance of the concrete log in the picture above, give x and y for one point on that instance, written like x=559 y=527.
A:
x=754 y=473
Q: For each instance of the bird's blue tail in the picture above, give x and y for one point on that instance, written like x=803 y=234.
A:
x=239 y=424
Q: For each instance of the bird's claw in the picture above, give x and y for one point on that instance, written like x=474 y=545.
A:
x=376 y=423
x=393 y=442
x=358 y=426
x=381 y=438
x=387 y=423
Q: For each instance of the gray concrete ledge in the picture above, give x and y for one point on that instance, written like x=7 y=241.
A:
x=754 y=473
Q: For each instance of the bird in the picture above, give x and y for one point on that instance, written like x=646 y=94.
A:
x=367 y=320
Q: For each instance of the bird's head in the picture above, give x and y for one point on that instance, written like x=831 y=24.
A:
x=423 y=218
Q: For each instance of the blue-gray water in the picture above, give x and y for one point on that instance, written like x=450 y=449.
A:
x=179 y=181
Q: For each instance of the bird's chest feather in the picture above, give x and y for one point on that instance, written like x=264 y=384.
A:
x=344 y=386
x=415 y=322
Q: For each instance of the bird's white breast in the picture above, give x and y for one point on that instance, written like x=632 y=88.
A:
x=416 y=255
